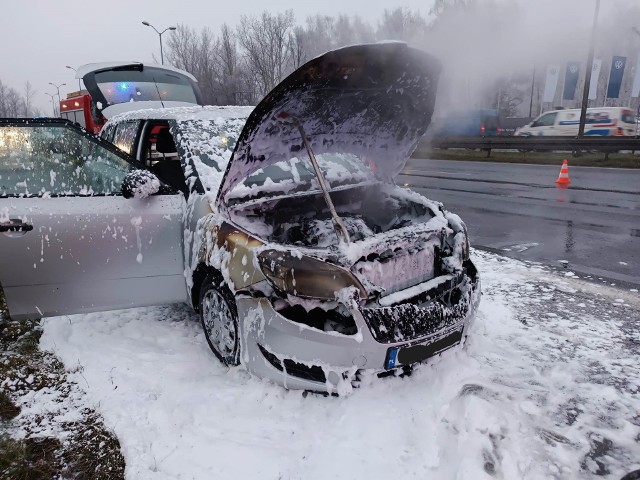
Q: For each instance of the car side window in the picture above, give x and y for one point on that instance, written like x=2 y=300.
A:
x=545 y=120
x=125 y=136
x=57 y=160
x=107 y=133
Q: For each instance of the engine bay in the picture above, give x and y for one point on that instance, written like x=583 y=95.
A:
x=304 y=220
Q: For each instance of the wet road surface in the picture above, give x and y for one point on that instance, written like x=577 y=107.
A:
x=518 y=210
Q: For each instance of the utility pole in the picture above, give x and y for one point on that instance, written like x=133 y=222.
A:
x=587 y=75
x=533 y=81
x=637 y=32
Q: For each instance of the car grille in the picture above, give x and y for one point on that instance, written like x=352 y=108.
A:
x=400 y=270
x=412 y=320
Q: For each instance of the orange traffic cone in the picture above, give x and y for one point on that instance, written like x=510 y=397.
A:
x=563 y=178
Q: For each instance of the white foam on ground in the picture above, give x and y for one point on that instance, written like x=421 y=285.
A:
x=530 y=396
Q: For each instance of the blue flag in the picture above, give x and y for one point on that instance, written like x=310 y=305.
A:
x=615 y=76
x=571 y=75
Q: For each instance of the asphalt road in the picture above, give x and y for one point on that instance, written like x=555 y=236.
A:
x=519 y=211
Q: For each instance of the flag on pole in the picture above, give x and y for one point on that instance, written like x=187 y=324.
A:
x=595 y=76
x=570 y=80
x=615 y=76
x=551 y=83
x=635 y=89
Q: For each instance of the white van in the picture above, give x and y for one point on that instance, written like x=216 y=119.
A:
x=605 y=121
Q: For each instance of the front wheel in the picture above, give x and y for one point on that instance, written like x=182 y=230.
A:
x=219 y=317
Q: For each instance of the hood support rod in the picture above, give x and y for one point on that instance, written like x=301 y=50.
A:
x=338 y=224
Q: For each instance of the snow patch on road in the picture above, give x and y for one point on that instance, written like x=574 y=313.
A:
x=530 y=396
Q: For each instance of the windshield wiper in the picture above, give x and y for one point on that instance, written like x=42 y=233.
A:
x=338 y=224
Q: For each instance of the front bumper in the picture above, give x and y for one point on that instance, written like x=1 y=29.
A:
x=300 y=357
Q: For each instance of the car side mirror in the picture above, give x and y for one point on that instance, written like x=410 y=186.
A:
x=140 y=184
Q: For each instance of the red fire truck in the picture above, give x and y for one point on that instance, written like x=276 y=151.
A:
x=79 y=108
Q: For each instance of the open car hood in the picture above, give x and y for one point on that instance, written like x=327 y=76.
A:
x=117 y=87
x=374 y=101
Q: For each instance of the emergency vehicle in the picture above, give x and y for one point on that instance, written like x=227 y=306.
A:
x=603 y=121
x=80 y=108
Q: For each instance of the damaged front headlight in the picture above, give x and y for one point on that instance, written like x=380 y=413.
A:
x=307 y=276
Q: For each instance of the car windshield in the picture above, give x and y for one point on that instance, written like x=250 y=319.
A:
x=208 y=143
x=211 y=143
x=297 y=174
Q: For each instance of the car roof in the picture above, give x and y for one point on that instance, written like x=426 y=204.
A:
x=179 y=114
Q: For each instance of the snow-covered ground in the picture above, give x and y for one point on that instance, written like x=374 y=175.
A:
x=548 y=386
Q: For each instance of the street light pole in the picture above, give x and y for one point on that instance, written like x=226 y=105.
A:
x=53 y=105
x=58 y=89
x=75 y=70
x=147 y=24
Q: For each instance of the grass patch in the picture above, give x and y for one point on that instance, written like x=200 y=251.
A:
x=8 y=409
x=89 y=451
x=29 y=459
x=93 y=451
x=614 y=160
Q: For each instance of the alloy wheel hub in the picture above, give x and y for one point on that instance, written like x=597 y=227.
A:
x=218 y=323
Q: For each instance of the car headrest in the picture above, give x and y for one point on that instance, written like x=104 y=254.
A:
x=164 y=142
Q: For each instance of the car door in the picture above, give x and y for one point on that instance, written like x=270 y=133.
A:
x=69 y=242
x=544 y=125
x=567 y=123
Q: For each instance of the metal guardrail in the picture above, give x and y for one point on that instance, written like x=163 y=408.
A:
x=538 y=143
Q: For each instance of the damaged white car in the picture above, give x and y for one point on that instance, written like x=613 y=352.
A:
x=281 y=225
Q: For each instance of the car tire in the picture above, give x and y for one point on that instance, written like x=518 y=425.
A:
x=219 y=318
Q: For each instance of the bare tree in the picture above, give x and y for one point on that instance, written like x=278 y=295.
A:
x=227 y=55
x=12 y=104
x=402 y=24
x=443 y=7
x=29 y=93
x=265 y=41
x=298 y=46
x=182 y=48
x=319 y=35
x=362 y=32
x=508 y=98
x=3 y=100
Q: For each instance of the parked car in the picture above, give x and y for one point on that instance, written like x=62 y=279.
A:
x=469 y=123
x=280 y=225
x=605 y=121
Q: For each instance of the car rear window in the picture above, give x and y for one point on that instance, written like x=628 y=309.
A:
x=122 y=86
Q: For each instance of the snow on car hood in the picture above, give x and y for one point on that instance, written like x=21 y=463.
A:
x=374 y=101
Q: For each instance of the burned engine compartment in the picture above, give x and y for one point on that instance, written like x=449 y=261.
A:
x=400 y=244
x=304 y=220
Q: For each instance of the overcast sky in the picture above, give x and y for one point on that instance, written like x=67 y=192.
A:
x=39 y=37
